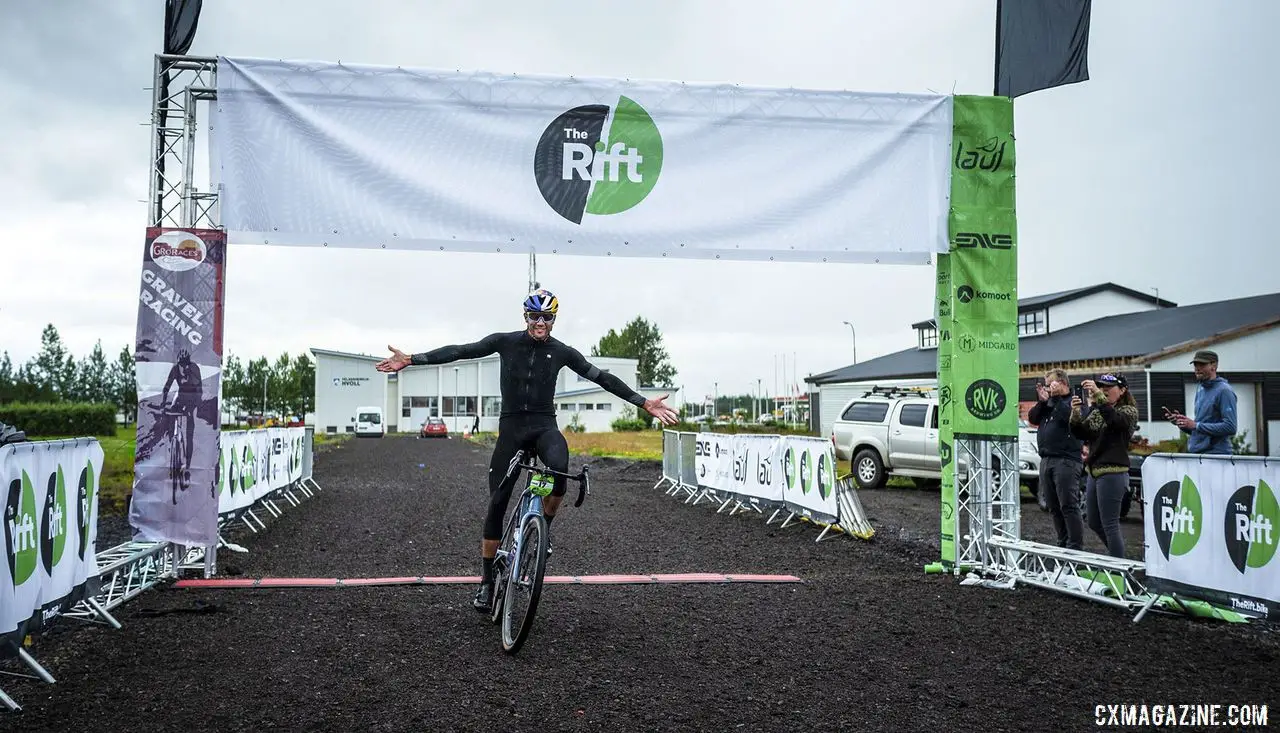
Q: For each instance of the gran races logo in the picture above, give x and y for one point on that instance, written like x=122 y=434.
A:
x=1177 y=517
x=1250 y=526
x=598 y=160
x=178 y=251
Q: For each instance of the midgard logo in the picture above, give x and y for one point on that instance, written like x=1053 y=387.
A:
x=1250 y=527
x=1177 y=517
x=985 y=399
x=966 y=294
x=597 y=160
x=968 y=344
x=20 y=525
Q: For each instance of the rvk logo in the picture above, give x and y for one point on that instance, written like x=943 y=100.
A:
x=985 y=399
x=20 y=525
x=1177 y=517
x=1251 y=525
x=598 y=160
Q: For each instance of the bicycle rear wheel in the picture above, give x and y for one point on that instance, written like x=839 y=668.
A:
x=524 y=587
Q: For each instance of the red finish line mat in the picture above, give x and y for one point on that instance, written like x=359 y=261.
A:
x=473 y=579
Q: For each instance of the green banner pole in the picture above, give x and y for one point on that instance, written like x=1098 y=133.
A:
x=946 y=435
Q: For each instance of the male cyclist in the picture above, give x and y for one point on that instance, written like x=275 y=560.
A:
x=186 y=374
x=530 y=362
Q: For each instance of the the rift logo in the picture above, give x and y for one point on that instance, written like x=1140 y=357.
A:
x=21 y=529
x=1177 y=517
x=805 y=478
x=53 y=522
x=1252 y=526
x=598 y=160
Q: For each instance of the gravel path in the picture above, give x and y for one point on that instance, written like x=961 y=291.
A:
x=867 y=641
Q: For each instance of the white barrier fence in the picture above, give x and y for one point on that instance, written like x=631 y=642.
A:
x=261 y=469
x=785 y=473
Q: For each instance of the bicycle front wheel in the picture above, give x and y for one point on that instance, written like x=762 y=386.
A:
x=524 y=584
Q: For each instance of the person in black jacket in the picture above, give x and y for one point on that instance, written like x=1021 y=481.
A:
x=1107 y=427
x=1060 y=465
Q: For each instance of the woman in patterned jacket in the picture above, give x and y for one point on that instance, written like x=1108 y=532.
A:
x=1106 y=428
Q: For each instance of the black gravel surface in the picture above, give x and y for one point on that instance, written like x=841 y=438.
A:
x=867 y=642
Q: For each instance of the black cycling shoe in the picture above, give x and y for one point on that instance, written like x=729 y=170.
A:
x=483 y=602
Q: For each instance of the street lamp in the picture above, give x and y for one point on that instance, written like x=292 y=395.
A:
x=853 y=333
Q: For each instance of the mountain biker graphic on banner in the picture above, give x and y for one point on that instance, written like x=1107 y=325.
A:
x=186 y=374
x=530 y=362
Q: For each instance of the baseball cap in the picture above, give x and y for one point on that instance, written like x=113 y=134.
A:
x=1205 y=357
x=1112 y=380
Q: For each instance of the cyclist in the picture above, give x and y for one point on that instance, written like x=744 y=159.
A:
x=530 y=361
x=186 y=374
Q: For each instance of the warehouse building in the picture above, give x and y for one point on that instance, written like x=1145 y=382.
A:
x=459 y=392
x=1107 y=327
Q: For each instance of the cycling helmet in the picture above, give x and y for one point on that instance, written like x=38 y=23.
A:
x=542 y=301
x=184 y=355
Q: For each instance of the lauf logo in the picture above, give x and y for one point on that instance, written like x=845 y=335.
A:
x=986 y=157
x=980 y=240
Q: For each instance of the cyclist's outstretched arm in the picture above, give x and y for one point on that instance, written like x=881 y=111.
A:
x=445 y=354
x=612 y=384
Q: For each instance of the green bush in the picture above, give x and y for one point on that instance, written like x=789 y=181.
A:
x=61 y=419
x=623 y=425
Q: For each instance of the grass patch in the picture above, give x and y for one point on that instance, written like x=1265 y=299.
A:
x=117 y=466
x=644 y=445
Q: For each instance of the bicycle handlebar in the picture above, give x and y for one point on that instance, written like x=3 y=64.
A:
x=583 y=478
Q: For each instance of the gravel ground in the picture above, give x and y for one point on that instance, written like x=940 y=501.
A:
x=867 y=641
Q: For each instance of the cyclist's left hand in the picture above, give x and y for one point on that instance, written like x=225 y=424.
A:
x=660 y=410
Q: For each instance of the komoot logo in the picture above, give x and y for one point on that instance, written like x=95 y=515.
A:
x=20 y=529
x=1251 y=524
x=966 y=294
x=1176 y=516
x=985 y=399
x=598 y=160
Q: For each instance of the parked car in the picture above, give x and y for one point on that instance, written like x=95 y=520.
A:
x=889 y=432
x=433 y=427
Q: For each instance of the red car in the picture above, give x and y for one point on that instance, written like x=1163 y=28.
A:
x=434 y=427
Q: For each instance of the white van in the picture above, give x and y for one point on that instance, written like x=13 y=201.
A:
x=369 y=423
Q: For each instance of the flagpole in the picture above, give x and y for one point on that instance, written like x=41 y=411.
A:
x=995 y=87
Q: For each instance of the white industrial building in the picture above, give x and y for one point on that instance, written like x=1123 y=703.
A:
x=458 y=392
x=1108 y=327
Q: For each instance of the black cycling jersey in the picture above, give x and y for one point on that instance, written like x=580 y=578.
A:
x=529 y=369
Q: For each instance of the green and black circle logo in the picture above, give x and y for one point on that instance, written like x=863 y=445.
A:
x=598 y=160
x=985 y=399
x=20 y=527
x=84 y=505
x=805 y=478
x=1250 y=527
x=826 y=476
x=53 y=522
x=1176 y=516
x=789 y=467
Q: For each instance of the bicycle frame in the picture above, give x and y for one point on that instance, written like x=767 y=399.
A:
x=530 y=504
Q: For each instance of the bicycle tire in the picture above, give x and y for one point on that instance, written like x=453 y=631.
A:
x=535 y=536
x=176 y=449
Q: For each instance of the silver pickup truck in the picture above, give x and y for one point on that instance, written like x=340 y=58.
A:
x=888 y=435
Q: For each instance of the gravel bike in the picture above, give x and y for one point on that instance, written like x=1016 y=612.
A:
x=521 y=559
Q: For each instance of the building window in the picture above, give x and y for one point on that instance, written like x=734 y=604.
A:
x=331 y=429
x=585 y=406
x=464 y=406
x=1032 y=323
x=928 y=337
x=604 y=407
x=492 y=406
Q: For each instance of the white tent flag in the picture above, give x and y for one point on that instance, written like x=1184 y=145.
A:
x=322 y=154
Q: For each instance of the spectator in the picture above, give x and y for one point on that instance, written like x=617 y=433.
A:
x=1107 y=428
x=1060 y=464
x=1215 y=407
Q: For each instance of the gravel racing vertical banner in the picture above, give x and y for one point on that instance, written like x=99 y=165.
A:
x=179 y=365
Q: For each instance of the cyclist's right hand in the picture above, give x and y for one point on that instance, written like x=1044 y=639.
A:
x=394 y=363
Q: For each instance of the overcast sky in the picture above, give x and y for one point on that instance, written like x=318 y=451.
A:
x=1157 y=172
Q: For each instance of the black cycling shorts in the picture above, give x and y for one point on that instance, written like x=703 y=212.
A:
x=535 y=435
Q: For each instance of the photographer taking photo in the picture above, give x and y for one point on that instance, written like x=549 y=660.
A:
x=1106 y=428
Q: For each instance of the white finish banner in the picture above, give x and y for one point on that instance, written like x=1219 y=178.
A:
x=257 y=462
x=1212 y=529
x=713 y=461
x=809 y=477
x=50 y=529
x=340 y=155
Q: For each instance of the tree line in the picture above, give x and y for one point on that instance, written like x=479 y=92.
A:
x=54 y=374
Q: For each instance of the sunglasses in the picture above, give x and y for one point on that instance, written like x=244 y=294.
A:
x=539 y=317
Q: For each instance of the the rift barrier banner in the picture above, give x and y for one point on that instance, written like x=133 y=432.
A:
x=257 y=462
x=1212 y=529
x=444 y=160
x=178 y=361
x=790 y=471
x=50 y=529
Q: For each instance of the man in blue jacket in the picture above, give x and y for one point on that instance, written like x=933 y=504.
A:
x=1215 y=407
